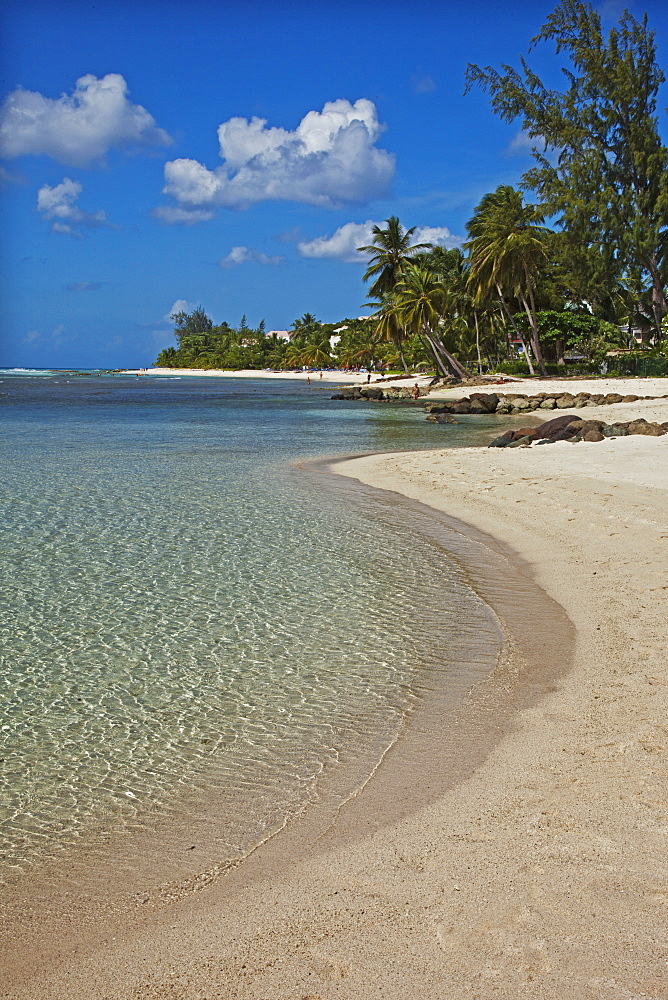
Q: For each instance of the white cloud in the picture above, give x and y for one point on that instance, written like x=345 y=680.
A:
x=243 y=255
x=57 y=204
x=172 y=213
x=521 y=143
x=329 y=160
x=344 y=242
x=440 y=236
x=78 y=129
x=180 y=306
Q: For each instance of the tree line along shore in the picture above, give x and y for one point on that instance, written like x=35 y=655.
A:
x=572 y=279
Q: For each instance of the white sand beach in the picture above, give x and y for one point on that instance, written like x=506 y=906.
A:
x=339 y=377
x=543 y=873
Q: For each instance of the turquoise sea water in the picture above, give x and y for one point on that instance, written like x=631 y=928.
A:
x=182 y=605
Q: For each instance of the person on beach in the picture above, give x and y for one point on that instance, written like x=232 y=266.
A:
x=308 y=379
x=368 y=378
x=415 y=392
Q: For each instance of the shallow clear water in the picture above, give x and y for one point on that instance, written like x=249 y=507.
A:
x=181 y=605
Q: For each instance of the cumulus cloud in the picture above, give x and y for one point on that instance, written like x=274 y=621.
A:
x=329 y=160
x=180 y=306
x=57 y=204
x=244 y=255
x=344 y=242
x=341 y=245
x=440 y=236
x=77 y=129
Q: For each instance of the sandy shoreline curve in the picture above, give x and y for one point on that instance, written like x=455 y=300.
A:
x=543 y=873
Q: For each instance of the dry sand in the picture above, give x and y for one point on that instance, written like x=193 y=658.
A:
x=541 y=874
x=337 y=377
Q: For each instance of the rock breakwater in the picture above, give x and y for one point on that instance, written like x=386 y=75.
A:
x=513 y=403
x=570 y=428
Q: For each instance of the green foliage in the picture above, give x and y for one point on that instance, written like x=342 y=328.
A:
x=390 y=251
x=567 y=330
x=600 y=164
x=203 y=345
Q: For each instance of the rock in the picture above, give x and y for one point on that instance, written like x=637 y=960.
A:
x=502 y=441
x=548 y=404
x=557 y=422
x=462 y=406
x=353 y=393
x=546 y=441
x=630 y=398
x=592 y=425
x=440 y=407
x=592 y=436
x=503 y=407
x=372 y=392
x=523 y=442
x=614 y=397
x=581 y=399
x=651 y=430
x=565 y=402
x=614 y=430
x=488 y=400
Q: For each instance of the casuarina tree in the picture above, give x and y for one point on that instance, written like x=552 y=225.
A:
x=600 y=164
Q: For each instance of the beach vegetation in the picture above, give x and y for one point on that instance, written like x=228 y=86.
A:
x=555 y=279
x=600 y=168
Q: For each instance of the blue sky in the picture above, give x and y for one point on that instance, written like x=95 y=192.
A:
x=230 y=155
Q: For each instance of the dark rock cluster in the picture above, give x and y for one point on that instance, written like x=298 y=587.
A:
x=387 y=393
x=492 y=402
x=570 y=428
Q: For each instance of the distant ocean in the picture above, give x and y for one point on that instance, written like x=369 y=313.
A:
x=183 y=606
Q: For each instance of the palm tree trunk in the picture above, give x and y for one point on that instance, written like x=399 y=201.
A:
x=446 y=359
x=403 y=361
x=440 y=367
x=531 y=313
x=515 y=327
x=477 y=340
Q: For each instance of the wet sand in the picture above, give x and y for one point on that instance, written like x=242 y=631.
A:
x=527 y=857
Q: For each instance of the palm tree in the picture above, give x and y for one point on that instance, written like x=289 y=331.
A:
x=389 y=329
x=422 y=301
x=508 y=246
x=389 y=253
